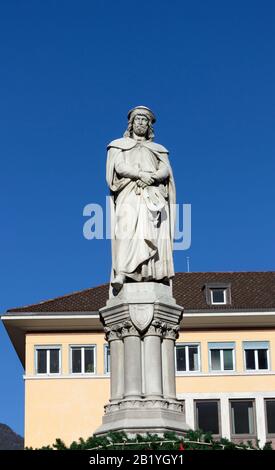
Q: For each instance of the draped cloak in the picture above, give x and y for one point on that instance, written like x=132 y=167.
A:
x=142 y=220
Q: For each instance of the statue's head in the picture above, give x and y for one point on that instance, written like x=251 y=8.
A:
x=140 y=121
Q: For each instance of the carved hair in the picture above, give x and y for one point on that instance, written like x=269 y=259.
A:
x=129 y=132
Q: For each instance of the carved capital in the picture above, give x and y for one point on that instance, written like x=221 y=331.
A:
x=156 y=328
x=171 y=332
x=128 y=329
x=113 y=333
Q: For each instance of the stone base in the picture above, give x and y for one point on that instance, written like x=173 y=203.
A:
x=141 y=325
x=142 y=421
x=142 y=292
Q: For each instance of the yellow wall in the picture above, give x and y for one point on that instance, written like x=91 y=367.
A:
x=70 y=408
x=65 y=340
x=230 y=382
x=65 y=408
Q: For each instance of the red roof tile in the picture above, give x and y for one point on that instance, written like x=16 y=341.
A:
x=249 y=290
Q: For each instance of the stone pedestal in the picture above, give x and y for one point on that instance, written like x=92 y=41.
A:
x=141 y=325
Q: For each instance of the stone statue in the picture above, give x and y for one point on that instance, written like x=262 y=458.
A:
x=141 y=318
x=142 y=187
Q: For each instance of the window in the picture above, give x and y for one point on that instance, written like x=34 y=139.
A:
x=270 y=416
x=221 y=356
x=218 y=296
x=256 y=355
x=207 y=416
x=218 y=293
x=187 y=357
x=107 y=364
x=83 y=359
x=47 y=359
x=242 y=418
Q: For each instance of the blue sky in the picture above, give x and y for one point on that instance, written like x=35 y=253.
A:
x=70 y=71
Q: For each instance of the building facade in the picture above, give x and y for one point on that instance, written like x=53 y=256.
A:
x=225 y=358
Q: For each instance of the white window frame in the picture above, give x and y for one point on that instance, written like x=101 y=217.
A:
x=256 y=358
x=220 y=347
x=82 y=347
x=106 y=372
x=186 y=345
x=224 y=295
x=47 y=348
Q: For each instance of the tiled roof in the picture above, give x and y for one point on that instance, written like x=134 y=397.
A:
x=249 y=291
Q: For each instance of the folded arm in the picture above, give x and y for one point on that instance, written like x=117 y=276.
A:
x=162 y=173
x=125 y=170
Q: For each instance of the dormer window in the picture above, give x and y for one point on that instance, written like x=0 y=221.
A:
x=218 y=296
x=218 y=293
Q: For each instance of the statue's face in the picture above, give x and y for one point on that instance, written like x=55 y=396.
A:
x=140 y=125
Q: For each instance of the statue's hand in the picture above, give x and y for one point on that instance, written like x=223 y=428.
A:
x=141 y=184
x=146 y=177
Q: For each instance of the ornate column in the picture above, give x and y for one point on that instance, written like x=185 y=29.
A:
x=132 y=361
x=113 y=336
x=168 y=361
x=153 y=361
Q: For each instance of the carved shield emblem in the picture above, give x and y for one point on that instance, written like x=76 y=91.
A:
x=141 y=315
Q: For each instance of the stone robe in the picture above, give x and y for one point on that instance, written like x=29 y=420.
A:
x=142 y=220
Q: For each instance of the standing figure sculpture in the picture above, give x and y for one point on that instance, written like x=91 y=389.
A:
x=141 y=181
x=141 y=318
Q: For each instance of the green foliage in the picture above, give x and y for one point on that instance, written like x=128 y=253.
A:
x=192 y=440
x=268 y=446
x=59 y=445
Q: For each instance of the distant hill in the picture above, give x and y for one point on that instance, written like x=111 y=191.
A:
x=9 y=440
